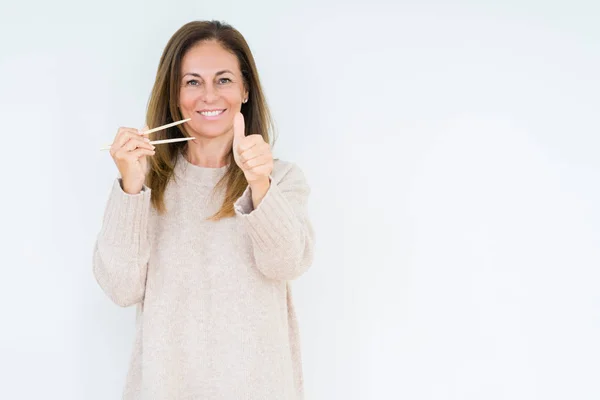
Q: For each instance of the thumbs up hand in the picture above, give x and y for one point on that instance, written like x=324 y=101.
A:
x=252 y=154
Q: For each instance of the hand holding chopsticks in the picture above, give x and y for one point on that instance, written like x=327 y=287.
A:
x=130 y=150
x=158 y=129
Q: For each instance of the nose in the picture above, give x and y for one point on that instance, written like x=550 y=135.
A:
x=210 y=93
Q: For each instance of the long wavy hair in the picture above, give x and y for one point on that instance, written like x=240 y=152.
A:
x=162 y=109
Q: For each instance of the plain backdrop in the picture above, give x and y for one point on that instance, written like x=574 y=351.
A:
x=452 y=150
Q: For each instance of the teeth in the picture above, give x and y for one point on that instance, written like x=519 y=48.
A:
x=211 y=113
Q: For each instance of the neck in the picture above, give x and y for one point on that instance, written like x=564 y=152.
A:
x=209 y=152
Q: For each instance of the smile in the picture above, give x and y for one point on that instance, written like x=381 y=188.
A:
x=211 y=113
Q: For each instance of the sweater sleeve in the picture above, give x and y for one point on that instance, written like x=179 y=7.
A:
x=122 y=250
x=279 y=228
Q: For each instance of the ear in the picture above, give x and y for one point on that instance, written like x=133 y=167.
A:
x=245 y=93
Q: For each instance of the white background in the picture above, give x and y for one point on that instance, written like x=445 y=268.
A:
x=451 y=149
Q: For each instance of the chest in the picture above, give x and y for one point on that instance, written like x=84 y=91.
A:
x=187 y=244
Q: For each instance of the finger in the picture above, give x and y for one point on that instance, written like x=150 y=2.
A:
x=239 y=128
x=256 y=151
x=135 y=142
x=256 y=162
x=124 y=137
x=132 y=144
x=261 y=170
x=137 y=154
x=124 y=131
x=143 y=130
x=249 y=142
x=251 y=153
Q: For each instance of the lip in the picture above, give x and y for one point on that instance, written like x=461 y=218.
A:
x=212 y=118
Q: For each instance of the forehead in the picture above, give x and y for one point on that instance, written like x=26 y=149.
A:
x=209 y=57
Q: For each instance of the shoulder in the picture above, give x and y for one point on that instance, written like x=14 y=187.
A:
x=287 y=172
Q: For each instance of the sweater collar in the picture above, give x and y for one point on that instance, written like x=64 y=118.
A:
x=199 y=175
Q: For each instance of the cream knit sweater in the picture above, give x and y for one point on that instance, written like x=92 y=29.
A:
x=215 y=318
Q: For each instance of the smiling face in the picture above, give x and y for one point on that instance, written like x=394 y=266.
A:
x=212 y=89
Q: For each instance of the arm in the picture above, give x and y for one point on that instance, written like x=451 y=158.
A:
x=122 y=249
x=279 y=228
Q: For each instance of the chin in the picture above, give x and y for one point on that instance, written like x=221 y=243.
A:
x=212 y=131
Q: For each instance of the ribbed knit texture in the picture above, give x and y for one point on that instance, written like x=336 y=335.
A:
x=215 y=316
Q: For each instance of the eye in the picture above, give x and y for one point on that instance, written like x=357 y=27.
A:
x=224 y=80
x=192 y=82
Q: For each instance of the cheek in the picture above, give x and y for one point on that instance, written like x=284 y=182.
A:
x=233 y=97
x=187 y=99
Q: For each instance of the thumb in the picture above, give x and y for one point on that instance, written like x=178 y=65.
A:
x=239 y=129
x=144 y=129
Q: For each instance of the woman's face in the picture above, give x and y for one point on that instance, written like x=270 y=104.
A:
x=212 y=89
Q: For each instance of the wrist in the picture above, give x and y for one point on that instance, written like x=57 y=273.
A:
x=260 y=185
x=131 y=189
x=259 y=190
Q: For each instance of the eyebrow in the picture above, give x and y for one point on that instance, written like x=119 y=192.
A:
x=225 y=71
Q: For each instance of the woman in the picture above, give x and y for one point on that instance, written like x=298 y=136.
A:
x=204 y=235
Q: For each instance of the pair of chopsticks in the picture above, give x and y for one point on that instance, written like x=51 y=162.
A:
x=158 y=129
